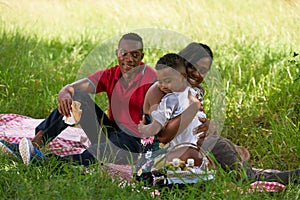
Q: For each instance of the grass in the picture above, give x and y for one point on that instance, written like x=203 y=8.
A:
x=47 y=44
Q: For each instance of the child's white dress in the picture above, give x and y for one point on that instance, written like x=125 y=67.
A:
x=172 y=105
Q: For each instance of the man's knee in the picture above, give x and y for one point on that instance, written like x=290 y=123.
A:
x=81 y=96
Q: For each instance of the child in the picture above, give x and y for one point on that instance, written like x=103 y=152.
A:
x=172 y=80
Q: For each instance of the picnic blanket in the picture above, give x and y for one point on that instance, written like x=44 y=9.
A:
x=14 y=127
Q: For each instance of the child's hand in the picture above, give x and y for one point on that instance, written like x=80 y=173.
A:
x=149 y=129
x=142 y=127
x=142 y=124
x=194 y=100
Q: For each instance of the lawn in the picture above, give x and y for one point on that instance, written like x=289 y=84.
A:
x=255 y=98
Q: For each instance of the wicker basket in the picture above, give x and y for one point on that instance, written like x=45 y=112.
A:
x=202 y=170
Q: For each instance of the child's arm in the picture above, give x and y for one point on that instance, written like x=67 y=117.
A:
x=179 y=123
x=160 y=116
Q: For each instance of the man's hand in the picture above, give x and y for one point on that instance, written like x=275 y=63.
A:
x=65 y=101
x=65 y=95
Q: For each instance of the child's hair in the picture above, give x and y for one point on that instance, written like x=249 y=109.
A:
x=195 y=51
x=172 y=60
x=132 y=36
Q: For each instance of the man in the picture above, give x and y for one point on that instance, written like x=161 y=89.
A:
x=125 y=85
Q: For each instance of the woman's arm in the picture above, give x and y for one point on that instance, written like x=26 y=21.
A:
x=177 y=124
x=152 y=98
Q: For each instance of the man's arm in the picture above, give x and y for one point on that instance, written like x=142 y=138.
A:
x=66 y=94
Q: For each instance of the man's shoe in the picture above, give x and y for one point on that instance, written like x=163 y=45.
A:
x=28 y=152
x=26 y=149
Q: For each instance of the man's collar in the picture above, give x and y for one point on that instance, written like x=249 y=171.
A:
x=118 y=73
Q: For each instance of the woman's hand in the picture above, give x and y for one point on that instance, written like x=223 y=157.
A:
x=206 y=128
x=203 y=128
x=195 y=101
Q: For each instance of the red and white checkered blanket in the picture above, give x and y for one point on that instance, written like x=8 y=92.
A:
x=14 y=127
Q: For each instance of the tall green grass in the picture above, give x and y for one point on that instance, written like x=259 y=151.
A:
x=32 y=70
x=43 y=45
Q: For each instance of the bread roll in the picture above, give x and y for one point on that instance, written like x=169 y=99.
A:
x=76 y=111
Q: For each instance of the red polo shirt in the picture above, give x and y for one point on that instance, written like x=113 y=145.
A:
x=125 y=101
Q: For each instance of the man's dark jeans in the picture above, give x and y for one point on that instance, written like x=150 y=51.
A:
x=109 y=142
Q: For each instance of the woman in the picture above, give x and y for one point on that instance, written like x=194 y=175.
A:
x=199 y=59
